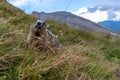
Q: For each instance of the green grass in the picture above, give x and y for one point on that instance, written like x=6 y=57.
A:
x=83 y=55
x=68 y=35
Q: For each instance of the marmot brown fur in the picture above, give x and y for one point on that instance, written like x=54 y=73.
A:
x=40 y=37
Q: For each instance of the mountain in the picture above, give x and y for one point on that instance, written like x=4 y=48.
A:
x=114 y=25
x=73 y=21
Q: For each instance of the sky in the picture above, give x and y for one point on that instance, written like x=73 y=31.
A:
x=94 y=10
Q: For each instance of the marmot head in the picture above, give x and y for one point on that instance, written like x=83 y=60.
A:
x=38 y=27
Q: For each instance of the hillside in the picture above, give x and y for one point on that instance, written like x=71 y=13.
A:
x=113 y=25
x=83 y=55
x=73 y=21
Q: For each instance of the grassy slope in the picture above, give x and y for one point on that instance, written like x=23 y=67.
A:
x=83 y=55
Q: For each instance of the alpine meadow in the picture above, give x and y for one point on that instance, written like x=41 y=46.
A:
x=83 y=55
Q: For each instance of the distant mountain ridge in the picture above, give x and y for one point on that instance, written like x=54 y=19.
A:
x=114 y=25
x=73 y=21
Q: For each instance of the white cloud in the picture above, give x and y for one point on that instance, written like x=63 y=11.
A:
x=31 y=5
x=81 y=11
x=98 y=15
x=19 y=3
x=118 y=16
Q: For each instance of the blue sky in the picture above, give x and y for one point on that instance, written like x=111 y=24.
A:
x=95 y=10
x=51 y=5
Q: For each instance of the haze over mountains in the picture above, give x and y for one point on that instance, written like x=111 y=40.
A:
x=114 y=25
x=73 y=21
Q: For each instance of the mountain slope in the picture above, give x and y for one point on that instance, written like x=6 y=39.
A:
x=10 y=15
x=113 y=25
x=73 y=21
x=83 y=55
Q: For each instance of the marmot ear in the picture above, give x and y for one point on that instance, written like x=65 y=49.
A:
x=44 y=26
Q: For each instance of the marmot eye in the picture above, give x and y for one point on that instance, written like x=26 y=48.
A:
x=43 y=23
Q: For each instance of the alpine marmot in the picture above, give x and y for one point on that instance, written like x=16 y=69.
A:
x=40 y=37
